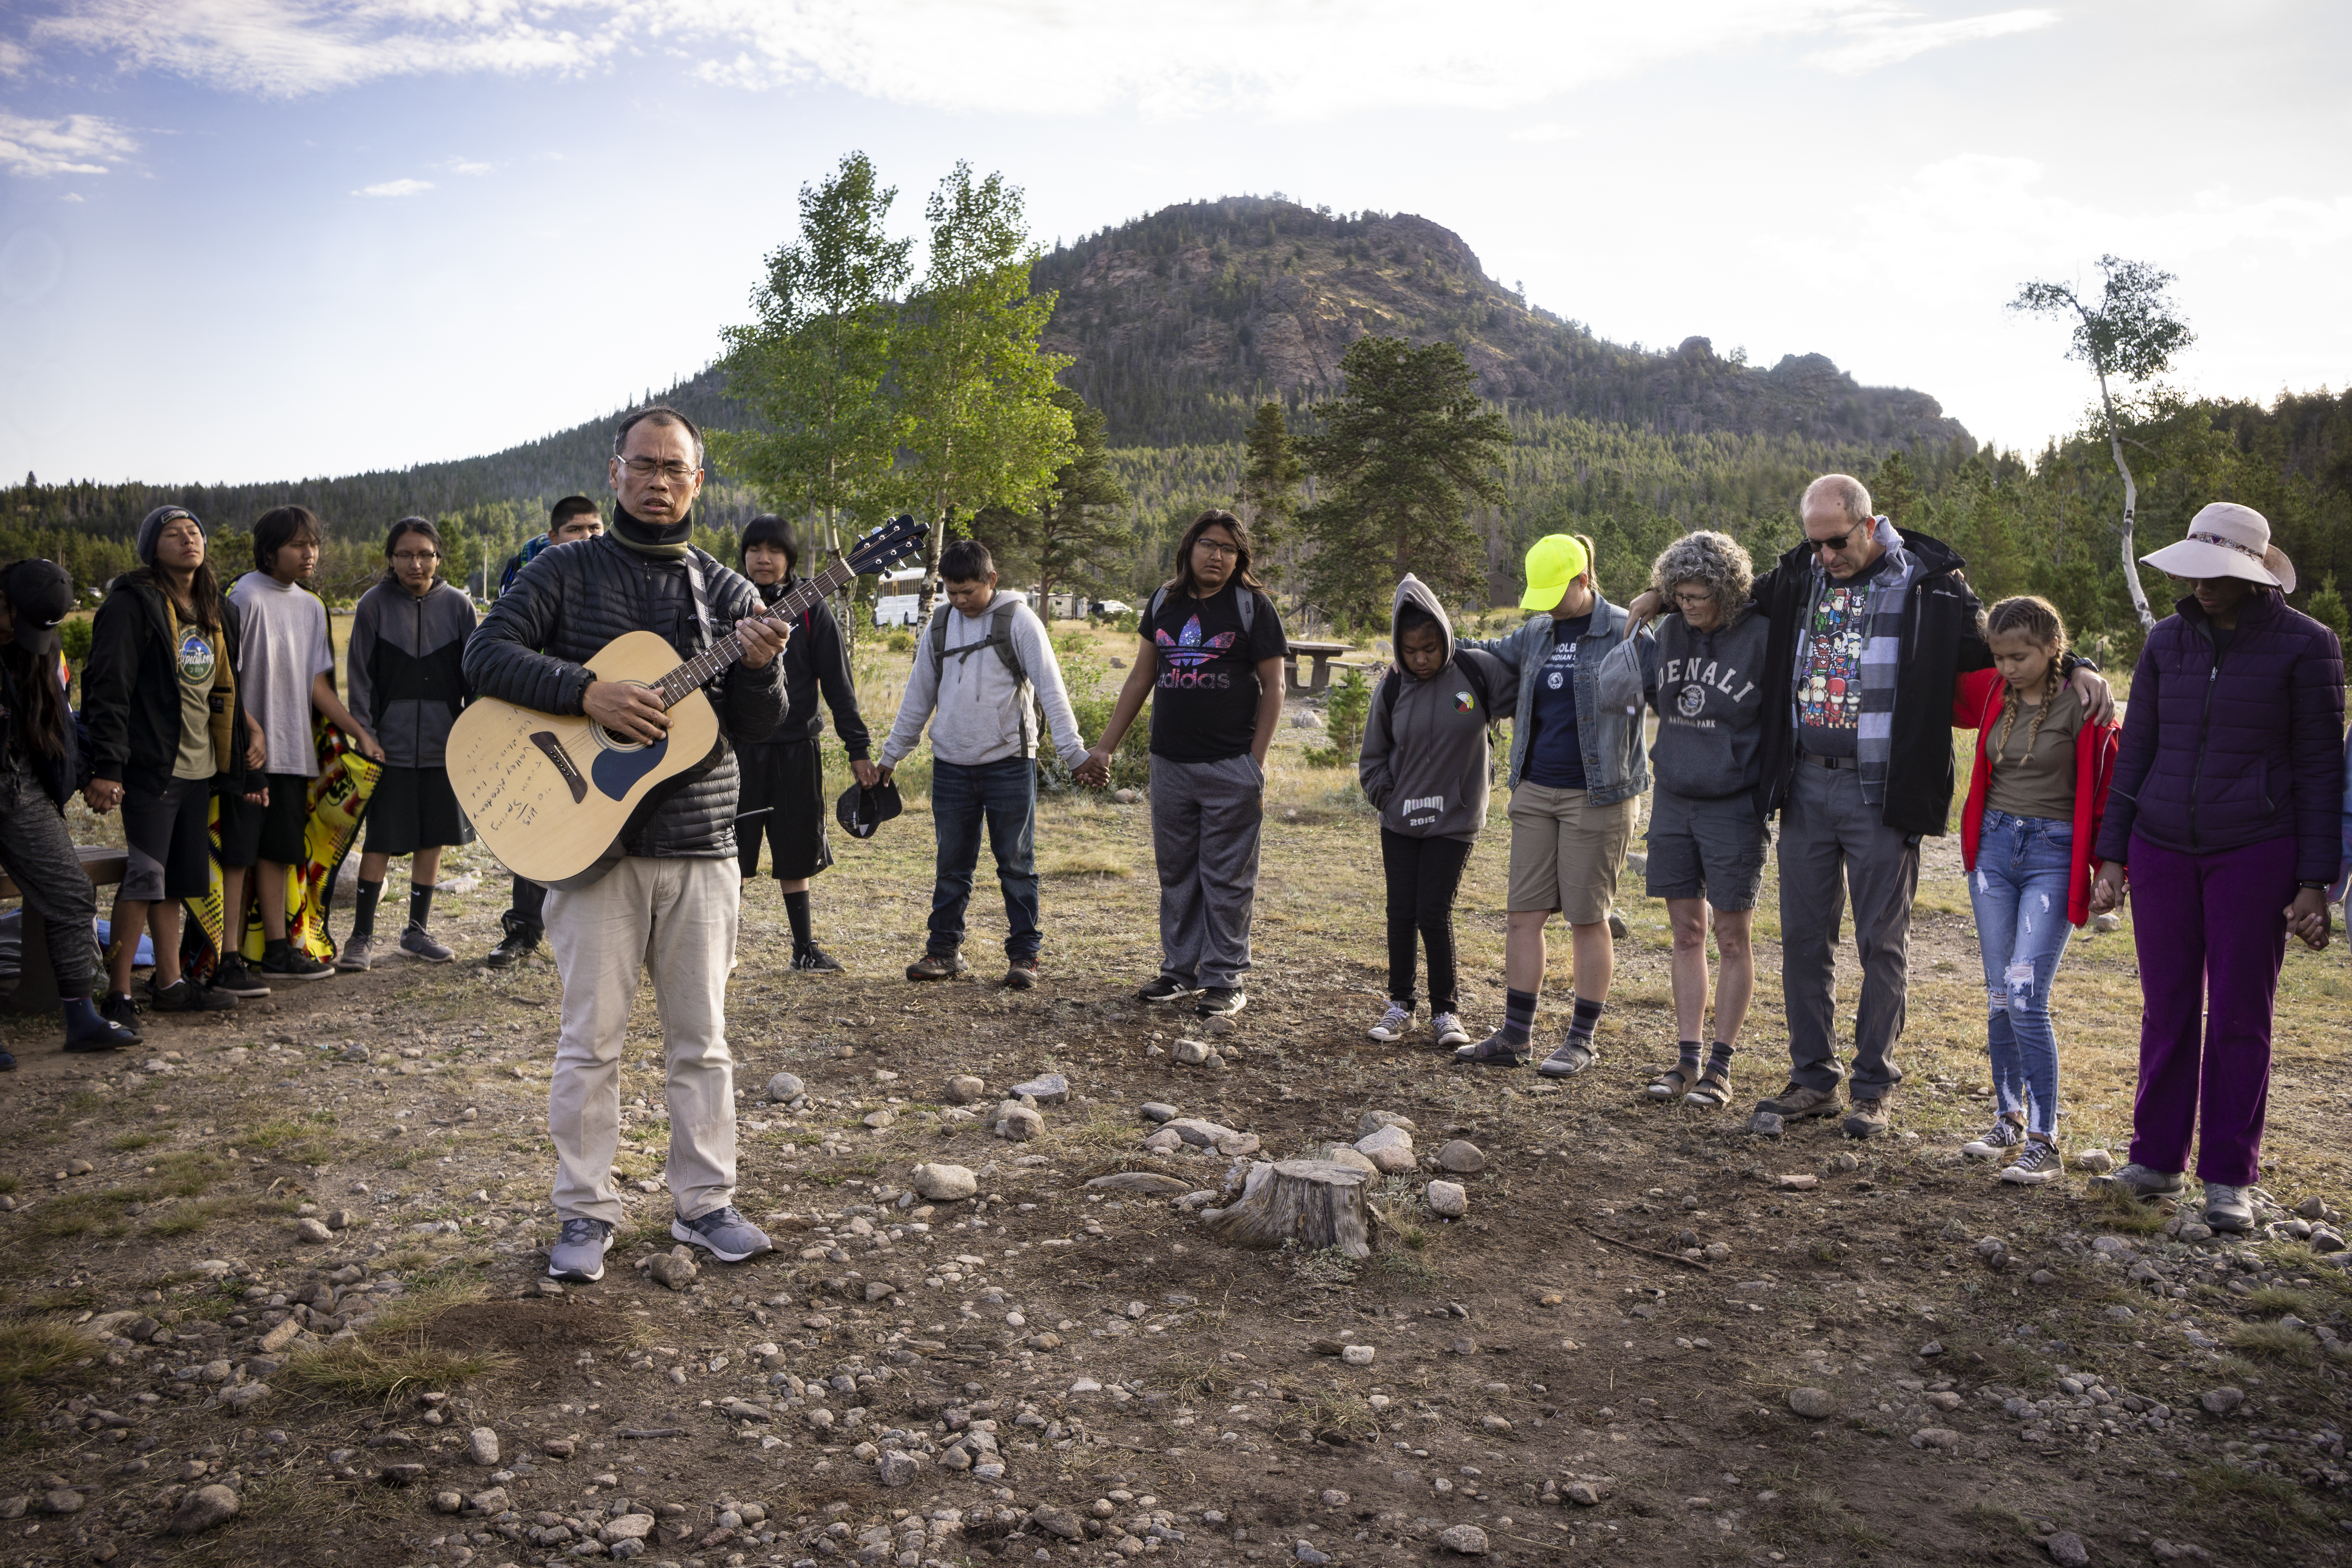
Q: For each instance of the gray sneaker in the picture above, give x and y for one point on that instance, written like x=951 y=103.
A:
x=2226 y=1208
x=354 y=959
x=417 y=942
x=578 y=1256
x=722 y=1233
x=2140 y=1181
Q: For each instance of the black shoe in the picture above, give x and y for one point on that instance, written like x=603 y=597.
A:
x=518 y=945
x=937 y=966
x=7 y=1061
x=88 y=1029
x=808 y=955
x=237 y=978
x=1021 y=973
x=119 y=1009
x=184 y=996
x=1220 y=1002
x=280 y=961
x=1167 y=988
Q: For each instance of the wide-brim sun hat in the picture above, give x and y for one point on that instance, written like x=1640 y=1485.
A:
x=2227 y=540
x=1553 y=562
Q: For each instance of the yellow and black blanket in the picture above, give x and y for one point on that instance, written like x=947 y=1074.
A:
x=338 y=801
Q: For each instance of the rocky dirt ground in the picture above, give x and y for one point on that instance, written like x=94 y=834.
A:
x=273 y=1281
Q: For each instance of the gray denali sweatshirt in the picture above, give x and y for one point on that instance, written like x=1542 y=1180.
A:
x=1708 y=689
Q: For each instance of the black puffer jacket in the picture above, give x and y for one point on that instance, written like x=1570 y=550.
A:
x=575 y=598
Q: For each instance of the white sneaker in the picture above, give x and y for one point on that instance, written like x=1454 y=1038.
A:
x=1393 y=1024
x=1448 y=1030
x=2040 y=1162
x=1998 y=1138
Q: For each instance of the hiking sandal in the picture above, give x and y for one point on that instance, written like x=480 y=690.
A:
x=1672 y=1083
x=1713 y=1090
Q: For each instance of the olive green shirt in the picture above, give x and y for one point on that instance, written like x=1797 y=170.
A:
x=2038 y=780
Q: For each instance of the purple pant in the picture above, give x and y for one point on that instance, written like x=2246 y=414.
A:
x=2211 y=933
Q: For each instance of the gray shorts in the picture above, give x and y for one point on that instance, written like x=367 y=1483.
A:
x=1710 y=848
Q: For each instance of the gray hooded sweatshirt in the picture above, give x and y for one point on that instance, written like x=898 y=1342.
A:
x=1425 y=761
x=1707 y=688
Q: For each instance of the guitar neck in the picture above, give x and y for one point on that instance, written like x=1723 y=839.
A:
x=689 y=676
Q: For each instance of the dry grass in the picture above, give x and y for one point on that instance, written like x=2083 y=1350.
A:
x=34 y=1355
x=1087 y=863
x=2275 y=1342
x=397 y=1354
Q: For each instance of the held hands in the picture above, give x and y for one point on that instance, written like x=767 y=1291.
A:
x=868 y=775
x=2090 y=690
x=103 y=796
x=2108 y=888
x=628 y=711
x=1094 y=771
x=762 y=641
x=2307 y=917
x=370 y=747
x=256 y=750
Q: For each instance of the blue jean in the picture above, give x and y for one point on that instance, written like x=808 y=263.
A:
x=2024 y=865
x=1003 y=795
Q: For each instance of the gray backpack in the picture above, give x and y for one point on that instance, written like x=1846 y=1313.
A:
x=1001 y=617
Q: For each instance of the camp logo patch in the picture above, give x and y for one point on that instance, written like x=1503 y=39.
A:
x=1464 y=703
x=195 y=657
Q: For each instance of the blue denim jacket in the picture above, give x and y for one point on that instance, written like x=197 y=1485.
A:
x=1615 y=766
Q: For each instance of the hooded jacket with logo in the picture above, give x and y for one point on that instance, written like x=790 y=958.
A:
x=1425 y=763
x=1708 y=690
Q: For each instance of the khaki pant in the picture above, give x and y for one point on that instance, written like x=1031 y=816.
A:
x=1566 y=853
x=676 y=917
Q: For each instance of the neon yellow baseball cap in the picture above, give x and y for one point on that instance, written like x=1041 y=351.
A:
x=1553 y=562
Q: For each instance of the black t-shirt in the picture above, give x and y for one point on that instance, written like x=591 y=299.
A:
x=1205 y=703
x=1554 y=748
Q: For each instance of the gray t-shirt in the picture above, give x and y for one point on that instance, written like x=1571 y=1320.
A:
x=285 y=645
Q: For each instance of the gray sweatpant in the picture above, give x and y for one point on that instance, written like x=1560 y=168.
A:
x=38 y=853
x=1832 y=840
x=1204 y=830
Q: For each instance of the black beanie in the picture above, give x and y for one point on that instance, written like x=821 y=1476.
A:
x=769 y=529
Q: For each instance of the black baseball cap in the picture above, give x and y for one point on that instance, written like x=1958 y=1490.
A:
x=860 y=810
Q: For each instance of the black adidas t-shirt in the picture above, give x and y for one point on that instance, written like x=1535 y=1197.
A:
x=1204 y=700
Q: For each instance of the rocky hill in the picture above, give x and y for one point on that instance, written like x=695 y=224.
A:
x=1179 y=321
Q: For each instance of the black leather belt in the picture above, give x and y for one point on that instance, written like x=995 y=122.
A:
x=1831 y=763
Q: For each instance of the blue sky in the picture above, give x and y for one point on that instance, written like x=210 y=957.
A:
x=249 y=239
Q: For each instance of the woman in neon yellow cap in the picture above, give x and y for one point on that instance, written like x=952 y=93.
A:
x=1577 y=773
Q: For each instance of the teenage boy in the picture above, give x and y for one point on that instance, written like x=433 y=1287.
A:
x=572 y=519
x=289 y=671
x=983 y=664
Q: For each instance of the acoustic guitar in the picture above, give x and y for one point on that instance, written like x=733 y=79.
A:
x=555 y=794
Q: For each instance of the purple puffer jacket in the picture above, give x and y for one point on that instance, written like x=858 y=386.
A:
x=2216 y=759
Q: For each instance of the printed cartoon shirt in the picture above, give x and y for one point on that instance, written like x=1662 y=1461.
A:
x=1829 y=675
x=1556 y=749
x=195 y=657
x=1204 y=700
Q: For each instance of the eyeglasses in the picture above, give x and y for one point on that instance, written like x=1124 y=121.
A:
x=417 y=557
x=647 y=469
x=1214 y=547
x=1838 y=545
x=1694 y=601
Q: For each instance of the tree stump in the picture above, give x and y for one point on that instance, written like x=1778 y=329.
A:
x=1315 y=1203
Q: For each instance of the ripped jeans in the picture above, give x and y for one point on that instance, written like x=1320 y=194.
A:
x=2024 y=865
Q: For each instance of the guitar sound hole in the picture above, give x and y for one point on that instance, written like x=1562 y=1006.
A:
x=612 y=741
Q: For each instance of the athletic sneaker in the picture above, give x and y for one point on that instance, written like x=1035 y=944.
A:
x=2226 y=1208
x=1998 y=1138
x=809 y=956
x=1795 y=1100
x=1167 y=988
x=2140 y=1181
x=1575 y=1054
x=518 y=945
x=1021 y=974
x=1448 y=1030
x=722 y=1233
x=417 y=942
x=1866 y=1118
x=2040 y=1162
x=937 y=966
x=281 y=961
x=1393 y=1024
x=1220 y=1002
x=237 y=978
x=578 y=1256
x=355 y=958
x=184 y=996
x=1494 y=1051
x=120 y=1010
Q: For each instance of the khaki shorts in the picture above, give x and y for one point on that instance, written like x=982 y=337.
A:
x=1565 y=854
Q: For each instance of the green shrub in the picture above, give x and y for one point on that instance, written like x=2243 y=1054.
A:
x=900 y=640
x=1345 y=711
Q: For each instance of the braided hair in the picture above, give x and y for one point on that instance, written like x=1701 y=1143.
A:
x=2035 y=619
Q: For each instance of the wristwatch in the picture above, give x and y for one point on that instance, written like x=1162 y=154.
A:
x=2314 y=887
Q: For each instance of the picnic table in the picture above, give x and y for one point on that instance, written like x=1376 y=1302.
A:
x=37 y=985
x=1322 y=653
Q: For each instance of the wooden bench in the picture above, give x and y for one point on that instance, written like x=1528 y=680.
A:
x=36 y=983
x=1322 y=654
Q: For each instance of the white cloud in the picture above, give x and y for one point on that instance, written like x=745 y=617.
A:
x=76 y=197
x=1284 y=63
x=464 y=166
x=394 y=188
x=72 y=144
x=14 y=58
x=1880 y=40
x=1550 y=130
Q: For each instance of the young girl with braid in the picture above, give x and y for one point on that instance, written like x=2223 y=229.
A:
x=2028 y=837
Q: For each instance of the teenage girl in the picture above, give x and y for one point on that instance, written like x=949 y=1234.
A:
x=2028 y=837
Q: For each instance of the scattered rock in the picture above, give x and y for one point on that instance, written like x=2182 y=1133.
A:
x=1582 y=1494
x=1812 y=1403
x=1931 y=1349
x=2109 y=922
x=1357 y=1355
x=78 y=1167
x=1016 y=1121
x=280 y=1335
x=311 y=1230
x=244 y=1397
x=2065 y=1547
x=401 y=1475
x=1845 y=1165
x=878 y=1120
x=2098 y=1162
x=482 y=1446
x=1335 y=1499
x=1058 y=1522
x=2196 y=1230
x=898 y=1468
x=945 y=1183
x=1190 y=1053
x=1494 y=1423
x=1467 y=1540
x=1462 y=1157
x=2042 y=1276
x=1371 y=1122
x=64 y=1499
x=2221 y=1401
x=448 y=1503
x=1199 y=1134
x=785 y=1087
x=1804 y=1184
x=1995 y=1252
x=963 y=1089
x=1934 y=1437
x=1447 y=1200
x=492 y=1500
x=339 y=1219
x=1765 y=1124
x=1048 y=1089
x=1159 y=1111
x=1345 y=1154
x=203 y=1508
x=878 y=1290
x=1389 y=1148
x=557 y=1447
x=675 y=1269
